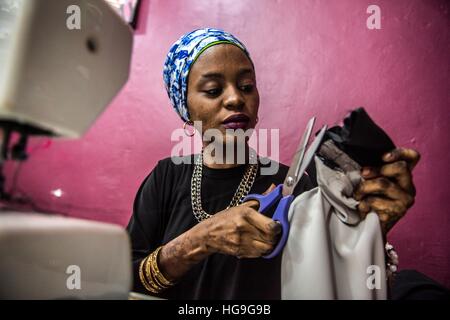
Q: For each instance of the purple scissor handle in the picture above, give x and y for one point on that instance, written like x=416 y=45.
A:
x=280 y=215
x=282 y=194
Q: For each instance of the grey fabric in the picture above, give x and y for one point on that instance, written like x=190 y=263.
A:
x=330 y=253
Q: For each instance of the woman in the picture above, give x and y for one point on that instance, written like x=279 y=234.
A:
x=202 y=249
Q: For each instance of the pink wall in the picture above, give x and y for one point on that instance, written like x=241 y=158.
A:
x=312 y=58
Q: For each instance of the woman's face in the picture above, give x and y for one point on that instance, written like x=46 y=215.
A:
x=222 y=91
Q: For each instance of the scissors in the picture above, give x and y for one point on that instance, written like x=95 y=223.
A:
x=282 y=194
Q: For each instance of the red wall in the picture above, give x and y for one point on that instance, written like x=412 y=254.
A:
x=312 y=58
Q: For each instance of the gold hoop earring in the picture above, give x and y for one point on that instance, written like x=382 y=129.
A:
x=186 y=132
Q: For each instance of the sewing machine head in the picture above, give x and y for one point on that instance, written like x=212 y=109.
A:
x=61 y=63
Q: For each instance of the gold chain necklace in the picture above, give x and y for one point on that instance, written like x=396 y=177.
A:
x=241 y=192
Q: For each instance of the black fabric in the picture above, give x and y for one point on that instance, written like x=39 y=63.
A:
x=413 y=285
x=361 y=138
x=162 y=211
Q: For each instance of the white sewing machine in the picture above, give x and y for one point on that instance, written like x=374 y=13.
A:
x=61 y=63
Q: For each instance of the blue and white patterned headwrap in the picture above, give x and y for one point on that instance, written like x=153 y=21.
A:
x=182 y=56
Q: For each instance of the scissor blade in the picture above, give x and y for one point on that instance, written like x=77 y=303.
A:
x=292 y=176
x=309 y=155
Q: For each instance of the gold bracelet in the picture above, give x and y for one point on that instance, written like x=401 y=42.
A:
x=142 y=277
x=151 y=274
x=159 y=278
x=158 y=275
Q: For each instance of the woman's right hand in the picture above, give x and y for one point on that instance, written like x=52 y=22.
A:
x=240 y=231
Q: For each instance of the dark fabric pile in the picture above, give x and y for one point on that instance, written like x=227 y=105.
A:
x=361 y=138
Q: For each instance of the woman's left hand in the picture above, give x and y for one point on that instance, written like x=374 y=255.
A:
x=389 y=190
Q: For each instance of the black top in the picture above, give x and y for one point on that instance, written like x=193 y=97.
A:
x=162 y=211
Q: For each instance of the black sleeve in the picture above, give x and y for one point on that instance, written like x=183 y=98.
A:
x=145 y=227
x=413 y=285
